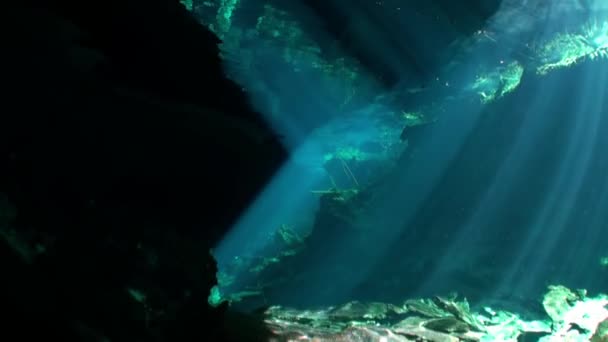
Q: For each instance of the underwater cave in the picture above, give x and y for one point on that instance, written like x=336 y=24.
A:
x=305 y=170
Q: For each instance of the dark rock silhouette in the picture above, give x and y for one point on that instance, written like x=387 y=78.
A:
x=126 y=154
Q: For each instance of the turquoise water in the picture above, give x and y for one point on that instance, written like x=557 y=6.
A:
x=496 y=189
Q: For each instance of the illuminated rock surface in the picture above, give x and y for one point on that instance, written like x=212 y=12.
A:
x=572 y=317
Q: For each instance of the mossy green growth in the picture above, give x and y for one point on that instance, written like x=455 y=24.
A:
x=566 y=49
x=137 y=295
x=499 y=82
x=215 y=297
x=187 y=3
x=224 y=15
x=601 y=334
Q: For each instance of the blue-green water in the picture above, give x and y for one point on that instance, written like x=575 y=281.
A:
x=496 y=190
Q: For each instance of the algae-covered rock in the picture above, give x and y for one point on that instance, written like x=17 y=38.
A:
x=601 y=333
x=460 y=310
x=423 y=334
x=448 y=325
x=558 y=301
x=409 y=323
x=426 y=308
x=370 y=311
x=571 y=316
x=575 y=316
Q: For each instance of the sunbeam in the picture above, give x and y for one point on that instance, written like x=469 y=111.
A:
x=429 y=154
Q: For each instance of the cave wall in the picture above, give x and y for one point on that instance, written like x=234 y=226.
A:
x=125 y=155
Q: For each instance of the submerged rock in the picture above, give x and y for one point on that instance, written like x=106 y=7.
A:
x=448 y=325
x=558 y=301
x=571 y=316
x=601 y=334
x=575 y=316
x=460 y=310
